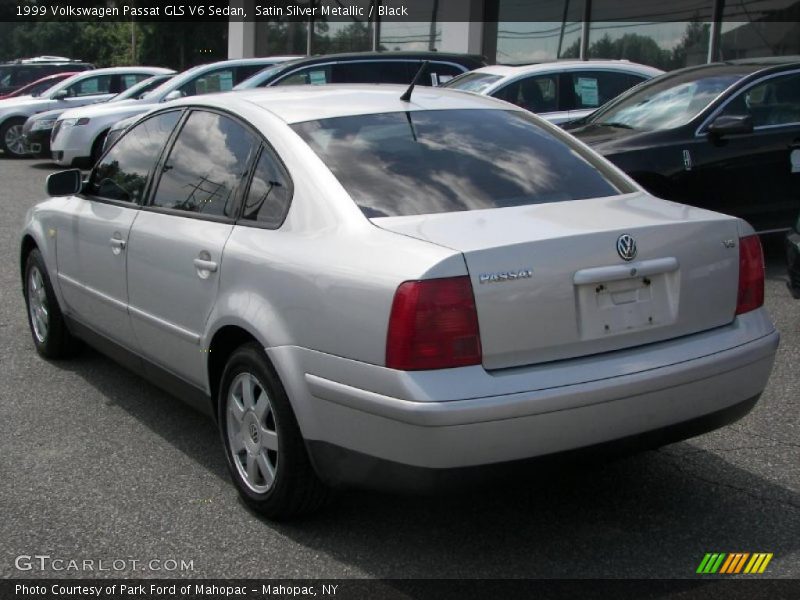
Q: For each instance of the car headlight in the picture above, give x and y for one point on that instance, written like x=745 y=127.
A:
x=43 y=124
x=74 y=122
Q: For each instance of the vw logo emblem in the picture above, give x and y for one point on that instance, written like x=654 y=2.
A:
x=626 y=247
x=254 y=433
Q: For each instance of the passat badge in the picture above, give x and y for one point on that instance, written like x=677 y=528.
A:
x=626 y=247
x=505 y=276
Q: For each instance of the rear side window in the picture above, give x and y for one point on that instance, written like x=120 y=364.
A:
x=437 y=73
x=591 y=89
x=270 y=193
x=205 y=166
x=122 y=173
x=421 y=162
x=316 y=75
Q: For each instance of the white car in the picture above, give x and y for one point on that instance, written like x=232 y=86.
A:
x=369 y=287
x=78 y=135
x=559 y=91
x=81 y=89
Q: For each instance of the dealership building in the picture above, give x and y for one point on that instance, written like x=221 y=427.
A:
x=667 y=35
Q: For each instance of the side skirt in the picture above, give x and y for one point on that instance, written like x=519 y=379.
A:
x=158 y=376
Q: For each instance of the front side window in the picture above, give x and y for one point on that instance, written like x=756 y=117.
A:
x=270 y=194
x=122 y=173
x=773 y=102
x=422 y=162
x=205 y=166
x=537 y=94
x=221 y=80
x=90 y=86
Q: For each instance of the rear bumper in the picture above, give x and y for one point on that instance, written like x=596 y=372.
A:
x=445 y=420
x=793 y=260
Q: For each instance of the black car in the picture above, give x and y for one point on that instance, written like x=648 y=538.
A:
x=38 y=128
x=366 y=67
x=722 y=136
x=15 y=74
x=793 y=258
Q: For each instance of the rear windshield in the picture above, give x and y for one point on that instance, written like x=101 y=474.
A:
x=423 y=162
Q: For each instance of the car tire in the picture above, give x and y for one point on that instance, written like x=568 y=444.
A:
x=11 y=138
x=48 y=328
x=264 y=448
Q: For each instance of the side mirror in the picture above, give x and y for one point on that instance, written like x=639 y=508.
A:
x=731 y=125
x=173 y=95
x=60 y=95
x=65 y=183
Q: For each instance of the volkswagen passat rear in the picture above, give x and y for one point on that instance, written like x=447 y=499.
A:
x=375 y=290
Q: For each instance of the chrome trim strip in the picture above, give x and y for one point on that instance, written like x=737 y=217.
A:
x=626 y=271
x=113 y=302
x=177 y=330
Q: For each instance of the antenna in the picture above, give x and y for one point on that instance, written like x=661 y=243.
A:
x=406 y=97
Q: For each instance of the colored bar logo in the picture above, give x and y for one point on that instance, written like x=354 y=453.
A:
x=734 y=563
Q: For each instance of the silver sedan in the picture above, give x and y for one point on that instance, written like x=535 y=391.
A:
x=364 y=287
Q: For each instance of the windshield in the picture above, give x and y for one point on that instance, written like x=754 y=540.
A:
x=472 y=82
x=666 y=102
x=259 y=78
x=423 y=162
x=140 y=89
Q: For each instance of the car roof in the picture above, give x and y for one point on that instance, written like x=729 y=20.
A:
x=295 y=104
x=471 y=59
x=567 y=65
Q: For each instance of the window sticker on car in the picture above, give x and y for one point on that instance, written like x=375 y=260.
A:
x=587 y=90
x=317 y=78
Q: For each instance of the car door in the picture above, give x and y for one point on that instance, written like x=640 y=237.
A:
x=754 y=175
x=92 y=241
x=176 y=244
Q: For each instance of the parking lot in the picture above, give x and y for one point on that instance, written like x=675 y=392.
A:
x=99 y=464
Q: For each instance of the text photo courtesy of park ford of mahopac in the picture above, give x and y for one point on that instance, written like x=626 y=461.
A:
x=400 y=299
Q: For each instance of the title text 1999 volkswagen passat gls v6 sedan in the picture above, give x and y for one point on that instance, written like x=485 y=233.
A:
x=369 y=288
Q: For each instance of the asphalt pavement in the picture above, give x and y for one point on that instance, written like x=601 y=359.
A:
x=97 y=464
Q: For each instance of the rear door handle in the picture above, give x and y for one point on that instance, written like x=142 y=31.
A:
x=205 y=265
x=117 y=244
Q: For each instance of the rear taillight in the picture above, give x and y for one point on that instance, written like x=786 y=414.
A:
x=433 y=325
x=751 y=275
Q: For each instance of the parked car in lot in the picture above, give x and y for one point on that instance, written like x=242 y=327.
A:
x=18 y=73
x=40 y=85
x=38 y=129
x=558 y=91
x=412 y=287
x=85 y=88
x=366 y=67
x=78 y=136
x=720 y=136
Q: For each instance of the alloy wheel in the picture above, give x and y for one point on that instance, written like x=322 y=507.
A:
x=252 y=432
x=13 y=140
x=37 y=305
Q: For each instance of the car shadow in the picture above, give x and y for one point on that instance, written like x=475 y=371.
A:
x=650 y=515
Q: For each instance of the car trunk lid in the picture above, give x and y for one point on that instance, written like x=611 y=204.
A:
x=550 y=283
